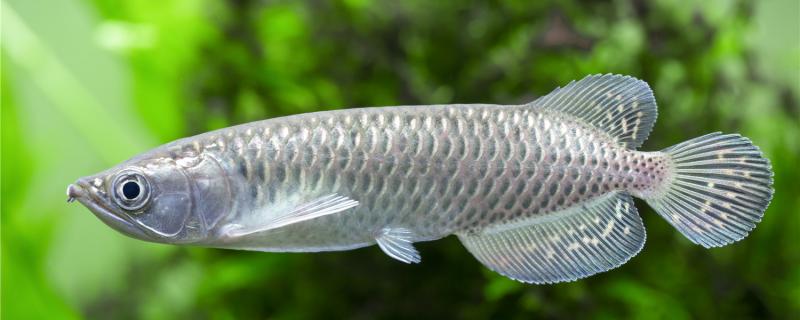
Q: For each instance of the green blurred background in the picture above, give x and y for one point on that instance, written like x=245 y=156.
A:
x=87 y=84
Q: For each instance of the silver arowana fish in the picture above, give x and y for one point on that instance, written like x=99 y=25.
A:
x=540 y=192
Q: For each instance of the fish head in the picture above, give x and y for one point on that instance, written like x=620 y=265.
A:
x=155 y=200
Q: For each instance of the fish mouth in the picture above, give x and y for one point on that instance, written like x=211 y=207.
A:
x=81 y=191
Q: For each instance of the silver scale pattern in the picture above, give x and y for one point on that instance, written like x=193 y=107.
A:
x=434 y=170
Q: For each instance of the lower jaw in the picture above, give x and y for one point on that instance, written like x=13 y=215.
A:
x=121 y=225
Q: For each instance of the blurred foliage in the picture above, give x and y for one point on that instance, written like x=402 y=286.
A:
x=88 y=84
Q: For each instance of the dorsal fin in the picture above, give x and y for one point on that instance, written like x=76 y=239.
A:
x=622 y=106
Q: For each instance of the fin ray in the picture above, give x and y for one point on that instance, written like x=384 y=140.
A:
x=565 y=246
x=397 y=243
x=315 y=208
x=717 y=190
x=621 y=106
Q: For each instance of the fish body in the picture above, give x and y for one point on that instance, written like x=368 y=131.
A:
x=433 y=170
x=539 y=192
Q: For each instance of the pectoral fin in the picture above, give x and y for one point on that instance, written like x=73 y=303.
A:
x=312 y=209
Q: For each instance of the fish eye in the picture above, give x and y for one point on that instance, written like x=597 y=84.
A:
x=131 y=190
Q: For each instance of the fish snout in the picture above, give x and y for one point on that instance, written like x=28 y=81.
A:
x=79 y=190
x=90 y=191
x=74 y=191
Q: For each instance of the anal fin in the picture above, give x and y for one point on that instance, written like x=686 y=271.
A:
x=562 y=246
x=397 y=243
x=308 y=210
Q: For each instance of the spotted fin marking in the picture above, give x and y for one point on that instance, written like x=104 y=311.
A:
x=397 y=243
x=315 y=208
x=563 y=246
x=717 y=189
x=622 y=106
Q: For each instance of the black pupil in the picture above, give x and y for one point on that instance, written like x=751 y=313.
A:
x=130 y=190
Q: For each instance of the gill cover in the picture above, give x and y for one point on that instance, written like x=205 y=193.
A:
x=169 y=206
x=188 y=198
x=210 y=191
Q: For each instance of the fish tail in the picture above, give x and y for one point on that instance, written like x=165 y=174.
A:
x=715 y=188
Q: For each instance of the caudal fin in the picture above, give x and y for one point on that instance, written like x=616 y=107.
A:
x=717 y=190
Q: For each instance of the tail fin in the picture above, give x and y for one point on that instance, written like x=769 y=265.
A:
x=719 y=187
